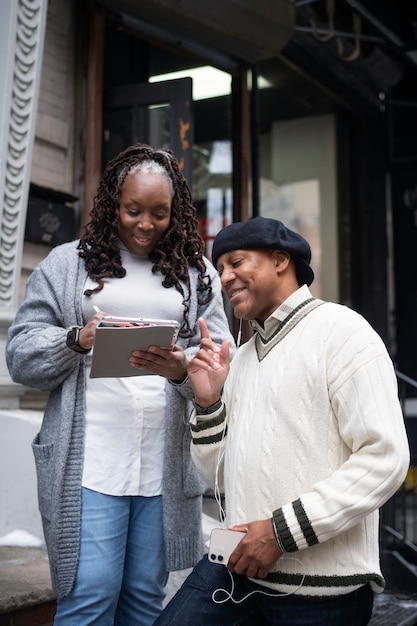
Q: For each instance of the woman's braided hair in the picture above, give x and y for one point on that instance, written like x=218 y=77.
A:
x=180 y=247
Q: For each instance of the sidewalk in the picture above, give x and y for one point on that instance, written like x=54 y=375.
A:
x=25 y=583
x=25 y=587
x=26 y=597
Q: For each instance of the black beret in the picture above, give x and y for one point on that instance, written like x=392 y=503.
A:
x=260 y=233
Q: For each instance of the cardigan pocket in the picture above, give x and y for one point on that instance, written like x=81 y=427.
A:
x=43 y=454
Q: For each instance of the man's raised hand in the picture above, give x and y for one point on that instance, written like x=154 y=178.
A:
x=209 y=368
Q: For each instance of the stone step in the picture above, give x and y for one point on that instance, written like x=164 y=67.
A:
x=26 y=597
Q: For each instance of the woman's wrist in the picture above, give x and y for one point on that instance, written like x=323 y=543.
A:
x=178 y=381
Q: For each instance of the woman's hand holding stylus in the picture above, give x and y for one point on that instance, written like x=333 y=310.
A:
x=88 y=332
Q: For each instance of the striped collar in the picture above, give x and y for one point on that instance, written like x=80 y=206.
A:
x=272 y=323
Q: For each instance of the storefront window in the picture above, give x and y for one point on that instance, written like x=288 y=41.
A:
x=212 y=149
x=297 y=204
x=210 y=173
x=298 y=186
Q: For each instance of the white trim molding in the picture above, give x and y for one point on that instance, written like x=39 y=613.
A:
x=22 y=33
x=25 y=31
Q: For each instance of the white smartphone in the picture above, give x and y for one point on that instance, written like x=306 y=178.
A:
x=222 y=544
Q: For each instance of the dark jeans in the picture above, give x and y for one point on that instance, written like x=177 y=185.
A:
x=193 y=604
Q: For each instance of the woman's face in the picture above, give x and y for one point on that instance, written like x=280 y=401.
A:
x=144 y=211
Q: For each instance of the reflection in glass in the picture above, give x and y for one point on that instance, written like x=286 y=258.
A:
x=297 y=205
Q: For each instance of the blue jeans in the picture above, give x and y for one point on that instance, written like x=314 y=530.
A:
x=193 y=604
x=121 y=572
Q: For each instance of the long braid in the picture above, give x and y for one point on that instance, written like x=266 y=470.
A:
x=181 y=246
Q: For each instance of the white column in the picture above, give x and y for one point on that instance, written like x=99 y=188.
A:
x=22 y=31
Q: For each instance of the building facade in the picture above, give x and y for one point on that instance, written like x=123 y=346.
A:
x=303 y=110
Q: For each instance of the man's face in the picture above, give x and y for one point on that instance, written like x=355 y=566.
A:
x=250 y=280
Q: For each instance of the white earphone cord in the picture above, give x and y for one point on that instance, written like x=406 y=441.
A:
x=222 y=517
x=274 y=594
x=239 y=334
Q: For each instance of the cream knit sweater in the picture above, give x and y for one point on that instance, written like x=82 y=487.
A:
x=315 y=437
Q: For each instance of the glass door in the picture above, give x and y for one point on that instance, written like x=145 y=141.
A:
x=159 y=114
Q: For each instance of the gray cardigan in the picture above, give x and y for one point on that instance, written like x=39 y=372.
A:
x=37 y=357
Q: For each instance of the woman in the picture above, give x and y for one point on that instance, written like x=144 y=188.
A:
x=119 y=496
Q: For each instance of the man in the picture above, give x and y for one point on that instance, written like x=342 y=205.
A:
x=308 y=436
